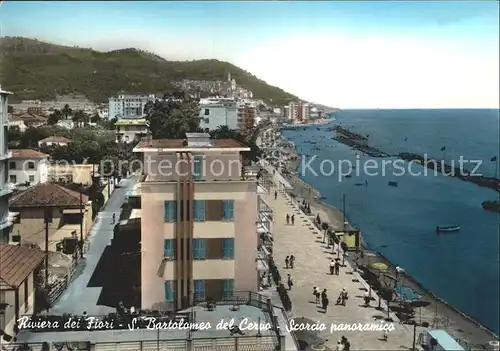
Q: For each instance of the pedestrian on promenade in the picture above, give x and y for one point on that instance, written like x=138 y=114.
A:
x=292 y=261
x=287 y=219
x=287 y=262
x=293 y=219
x=337 y=267
x=324 y=299
x=325 y=303
x=367 y=299
x=332 y=266
x=316 y=294
x=289 y=282
x=339 y=346
x=275 y=194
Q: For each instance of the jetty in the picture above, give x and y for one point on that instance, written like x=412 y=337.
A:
x=356 y=141
x=459 y=172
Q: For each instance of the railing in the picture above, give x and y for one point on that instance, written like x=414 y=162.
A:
x=222 y=343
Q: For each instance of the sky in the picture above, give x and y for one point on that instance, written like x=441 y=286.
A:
x=393 y=54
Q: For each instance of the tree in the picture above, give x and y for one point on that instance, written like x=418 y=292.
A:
x=66 y=111
x=80 y=118
x=95 y=118
x=31 y=137
x=173 y=117
x=55 y=117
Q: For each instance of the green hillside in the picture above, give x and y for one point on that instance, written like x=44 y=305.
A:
x=34 y=69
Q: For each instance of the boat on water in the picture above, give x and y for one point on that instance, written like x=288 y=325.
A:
x=451 y=228
x=393 y=183
x=493 y=206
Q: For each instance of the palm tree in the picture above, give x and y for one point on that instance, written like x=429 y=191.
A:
x=66 y=111
x=55 y=117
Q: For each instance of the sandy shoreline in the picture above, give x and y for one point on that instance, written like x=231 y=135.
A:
x=439 y=314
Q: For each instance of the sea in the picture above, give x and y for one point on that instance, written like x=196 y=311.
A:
x=400 y=221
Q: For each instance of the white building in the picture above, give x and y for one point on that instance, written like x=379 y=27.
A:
x=6 y=218
x=128 y=106
x=131 y=130
x=216 y=114
x=54 y=141
x=17 y=122
x=103 y=112
x=27 y=165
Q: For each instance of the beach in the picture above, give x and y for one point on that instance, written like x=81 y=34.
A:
x=438 y=314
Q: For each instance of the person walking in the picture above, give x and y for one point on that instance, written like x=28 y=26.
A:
x=293 y=219
x=289 y=282
x=324 y=299
x=292 y=261
x=275 y=194
x=339 y=346
x=316 y=294
x=287 y=219
x=332 y=266
x=287 y=262
x=337 y=267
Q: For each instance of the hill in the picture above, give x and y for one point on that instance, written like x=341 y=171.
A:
x=34 y=69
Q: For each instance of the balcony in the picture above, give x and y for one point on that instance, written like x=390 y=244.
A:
x=7 y=189
x=6 y=155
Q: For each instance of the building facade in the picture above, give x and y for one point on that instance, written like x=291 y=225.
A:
x=199 y=222
x=213 y=115
x=6 y=220
x=131 y=130
x=299 y=112
x=128 y=106
x=247 y=118
x=18 y=267
x=28 y=166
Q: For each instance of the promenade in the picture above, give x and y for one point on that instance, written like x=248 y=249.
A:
x=311 y=269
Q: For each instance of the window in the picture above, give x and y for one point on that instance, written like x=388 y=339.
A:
x=31 y=165
x=207 y=112
x=12 y=165
x=169 y=291
x=170 y=211
x=169 y=249
x=227 y=210
x=199 y=289
x=227 y=288
x=228 y=248
x=199 y=249
x=206 y=120
x=13 y=179
x=31 y=178
x=199 y=210
x=197 y=167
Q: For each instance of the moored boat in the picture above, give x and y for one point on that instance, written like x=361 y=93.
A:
x=451 y=228
x=493 y=206
x=393 y=183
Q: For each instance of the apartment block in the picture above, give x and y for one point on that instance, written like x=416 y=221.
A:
x=128 y=106
x=213 y=115
x=247 y=118
x=199 y=217
x=6 y=218
x=131 y=130
x=299 y=112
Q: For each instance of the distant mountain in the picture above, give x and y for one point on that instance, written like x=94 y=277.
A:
x=34 y=69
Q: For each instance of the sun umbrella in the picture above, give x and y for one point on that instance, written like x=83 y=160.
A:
x=378 y=266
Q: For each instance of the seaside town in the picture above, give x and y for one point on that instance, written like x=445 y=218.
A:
x=176 y=219
x=82 y=243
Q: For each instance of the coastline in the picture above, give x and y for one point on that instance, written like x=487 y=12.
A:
x=439 y=313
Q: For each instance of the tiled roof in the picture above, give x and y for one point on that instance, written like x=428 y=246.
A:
x=47 y=195
x=27 y=153
x=55 y=139
x=32 y=118
x=179 y=143
x=16 y=264
x=14 y=118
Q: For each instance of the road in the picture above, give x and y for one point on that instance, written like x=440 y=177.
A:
x=78 y=297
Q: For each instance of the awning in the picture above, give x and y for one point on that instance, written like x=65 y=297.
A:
x=262 y=266
x=262 y=228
